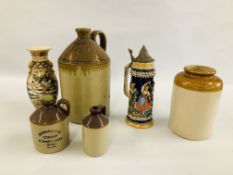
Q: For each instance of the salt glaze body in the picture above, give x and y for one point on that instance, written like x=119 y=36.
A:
x=194 y=103
x=41 y=79
x=84 y=70
x=50 y=125
x=141 y=90
x=95 y=132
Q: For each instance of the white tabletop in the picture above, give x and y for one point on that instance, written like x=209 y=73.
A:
x=131 y=151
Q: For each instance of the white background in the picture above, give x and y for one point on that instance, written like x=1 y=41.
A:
x=175 y=32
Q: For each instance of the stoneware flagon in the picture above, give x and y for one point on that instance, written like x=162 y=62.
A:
x=95 y=132
x=194 y=103
x=84 y=70
x=41 y=79
x=50 y=125
x=141 y=89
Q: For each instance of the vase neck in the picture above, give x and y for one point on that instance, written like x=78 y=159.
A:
x=39 y=53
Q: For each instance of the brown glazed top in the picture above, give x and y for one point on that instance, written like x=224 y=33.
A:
x=96 y=119
x=50 y=113
x=199 y=78
x=85 y=50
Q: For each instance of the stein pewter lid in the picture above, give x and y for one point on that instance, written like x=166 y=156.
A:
x=143 y=56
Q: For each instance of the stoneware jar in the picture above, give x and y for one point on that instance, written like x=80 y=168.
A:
x=41 y=79
x=194 y=103
x=84 y=70
x=141 y=90
x=50 y=125
x=95 y=132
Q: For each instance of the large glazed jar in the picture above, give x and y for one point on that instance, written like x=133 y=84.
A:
x=84 y=70
x=195 y=98
x=41 y=79
x=50 y=125
x=95 y=132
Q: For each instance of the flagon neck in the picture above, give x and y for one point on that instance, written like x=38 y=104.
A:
x=83 y=33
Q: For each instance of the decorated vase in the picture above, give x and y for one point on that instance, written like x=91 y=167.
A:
x=41 y=79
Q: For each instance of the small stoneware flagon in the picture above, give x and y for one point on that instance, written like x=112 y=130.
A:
x=141 y=89
x=95 y=132
x=50 y=125
x=194 y=103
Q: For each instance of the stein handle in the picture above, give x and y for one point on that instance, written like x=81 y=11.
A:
x=66 y=103
x=103 y=40
x=126 y=89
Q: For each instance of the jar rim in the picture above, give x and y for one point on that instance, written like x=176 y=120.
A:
x=200 y=70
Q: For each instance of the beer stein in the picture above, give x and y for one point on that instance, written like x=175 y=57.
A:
x=140 y=91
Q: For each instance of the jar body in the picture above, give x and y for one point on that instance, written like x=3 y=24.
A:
x=41 y=80
x=95 y=140
x=85 y=86
x=193 y=113
x=50 y=138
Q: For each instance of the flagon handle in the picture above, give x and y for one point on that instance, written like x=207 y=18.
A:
x=66 y=103
x=103 y=40
x=103 y=109
x=126 y=74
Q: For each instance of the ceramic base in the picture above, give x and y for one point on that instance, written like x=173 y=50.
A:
x=139 y=126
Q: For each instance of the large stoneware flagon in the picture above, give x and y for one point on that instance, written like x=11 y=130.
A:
x=84 y=70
